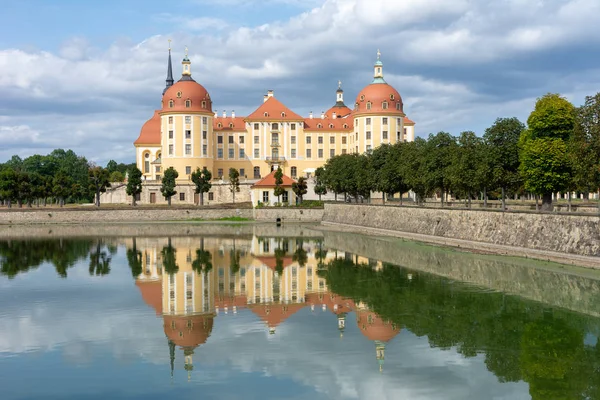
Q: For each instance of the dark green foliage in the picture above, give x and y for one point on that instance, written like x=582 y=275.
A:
x=134 y=183
x=168 y=184
x=234 y=182
x=169 y=259
x=278 y=191
x=99 y=181
x=201 y=179
x=320 y=188
x=299 y=188
x=134 y=259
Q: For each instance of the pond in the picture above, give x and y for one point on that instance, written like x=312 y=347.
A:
x=265 y=312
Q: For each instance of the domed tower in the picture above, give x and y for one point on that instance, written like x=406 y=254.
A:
x=340 y=109
x=186 y=125
x=374 y=328
x=378 y=114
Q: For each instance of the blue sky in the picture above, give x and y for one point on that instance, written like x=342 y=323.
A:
x=86 y=75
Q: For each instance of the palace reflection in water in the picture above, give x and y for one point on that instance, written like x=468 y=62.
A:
x=274 y=278
x=285 y=312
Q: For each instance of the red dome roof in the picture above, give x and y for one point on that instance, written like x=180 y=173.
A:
x=151 y=293
x=374 y=328
x=340 y=111
x=188 y=331
x=150 y=133
x=377 y=94
x=181 y=92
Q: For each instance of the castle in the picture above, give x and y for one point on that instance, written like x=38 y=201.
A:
x=186 y=133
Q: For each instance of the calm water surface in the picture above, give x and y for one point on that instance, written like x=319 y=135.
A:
x=256 y=312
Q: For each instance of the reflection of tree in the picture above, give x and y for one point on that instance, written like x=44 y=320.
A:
x=234 y=260
x=280 y=253
x=520 y=339
x=99 y=261
x=18 y=256
x=203 y=260
x=300 y=255
x=169 y=260
x=134 y=259
x=320 y=254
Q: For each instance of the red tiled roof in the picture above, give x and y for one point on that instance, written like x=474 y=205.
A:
x=275 y=314
x=275 y=111
x=151 y=294
x=328 y=124
x=236 y=124
x=339 y=111
x=271 y=262
x=184 y=90
x=377 y=94
x=150 y=133
x=408 y=121
x=269 y=181
x=188 y=331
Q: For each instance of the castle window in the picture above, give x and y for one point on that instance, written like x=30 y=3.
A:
x=178 y=95
x=188 y=119
x=188 y=149
x=230 y=139
x=362 y=98
x=319 y=126
x=205 y=120
x=204 y=135
x=242 y=156
x=170 y=134
x=231 y=153
x=283 y=115
x=294 y=172
x=398 y=106
x=147 y=155
x=392 y=97
x=368 y=105
x=345 y=126
x=368 y=121
x=293 y=127
x=293 y=153
x=256 y=172
x=170 y=120
x=293 y=139
x=368 y=135
x=204 y=104
x=256 y=127
x=219 y=125
x=170 y=149
x=275 y=126
x=241 y=139
x=331 y=125
x=385 y=105
x=242 y=172
x=385 y=121
x=188 y=170
x=385 y=135
x=188 y=134
x=344 y=139
x=320 y=153
x=331 y=153
x=320 y=140
x=220 y=154
x=171 y=103
x=219 y=139
x=188 y=103
x=308 y=140
x=332 y=140
x=308 y=153
x=231 y=125
x=211 y=196
x=266 y=114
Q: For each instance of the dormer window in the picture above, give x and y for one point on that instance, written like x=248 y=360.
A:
x=178 y=95
x=319 y=126
x=331 y=125
x=282 y=115
x=231 y=125
x=368 y=105
x=219 y=125
x=345 y=126
x=188 y=103
x=171 y=103
x=398 y=106
x=266 y=114
x=385 y=105
x=204 y=104
x=392 y=97
x=362 y=98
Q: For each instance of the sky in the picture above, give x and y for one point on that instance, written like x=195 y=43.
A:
x=87 y=75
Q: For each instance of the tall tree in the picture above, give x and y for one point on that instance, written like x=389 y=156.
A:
x=201 y=179
x=545 y=163
x=299 y=188
x=279 y=190
x=463 y=169
x=168 y=184
x=8 y=185
x=112 y=166
x=169 y=258
x=61 y=187
x=134 y=259
x=234 y=182
x=320 y=188
x=99 y=179
x=134 y=184
x=503 y=157
x=584 y=146
x=440 y=149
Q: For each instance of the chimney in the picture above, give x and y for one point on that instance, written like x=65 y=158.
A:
x=270 y=93
x=265 y=99
x=322 y=114
x=216 y=114
x=224 y=114
x=334 y=115
x=310 y=115
x=233 y=114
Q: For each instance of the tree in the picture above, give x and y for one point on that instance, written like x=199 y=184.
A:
x=300 y=256
x=99 y=182
x=169 y=258
x=438 y=158
x=234 y=181
x=320 y=188
x=203 y=260
x=99 y=261
x=463 y=169
x=112 y=166
x=279 y=190
x=8 y=185
x=299 y=188
x=61 y=187
x=134 y=259
x=584 y=147
x=116 y=176
x=168 y=184
x=201 y=179
x=134 y=184
x=412 y=167
x=503 y=157
x=544 y=159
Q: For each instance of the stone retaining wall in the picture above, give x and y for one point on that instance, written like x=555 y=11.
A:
x=289 y=214
x=106 y=216
x=573 y=234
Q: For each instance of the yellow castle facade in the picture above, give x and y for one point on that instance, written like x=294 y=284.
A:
x=186 y=133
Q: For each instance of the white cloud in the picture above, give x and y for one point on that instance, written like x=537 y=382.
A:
x=454 y=62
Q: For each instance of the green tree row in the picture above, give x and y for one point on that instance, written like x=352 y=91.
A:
x=559 y=151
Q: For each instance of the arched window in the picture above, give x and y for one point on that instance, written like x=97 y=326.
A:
x=319 y=126
x=219 y=125
x=392 y=97
x=178 y=95
x=362 y=98
x=283 y=115
x=204 y=104
x=230 y=125
x=188 y=103
x=331 y=125
x=171 y=103
x=147 y=163
x=266 y=114
x=345 y=126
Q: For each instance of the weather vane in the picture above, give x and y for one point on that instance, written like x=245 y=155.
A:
x=378 y=54
x=186 y=51
x=339 y=84
x=169 y=44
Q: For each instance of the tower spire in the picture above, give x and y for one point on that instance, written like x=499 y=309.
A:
x=378 y=75
x=169 y=80
x=187 y=67
x=340 y=96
